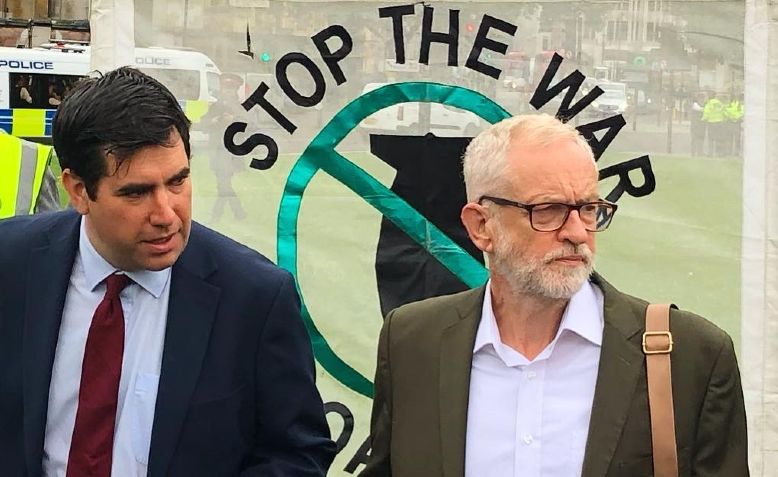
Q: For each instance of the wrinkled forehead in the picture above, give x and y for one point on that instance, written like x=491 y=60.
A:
x=564 y=165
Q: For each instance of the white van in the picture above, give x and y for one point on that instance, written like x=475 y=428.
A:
x=33 y=81
x=445 y=121
x=611 y=102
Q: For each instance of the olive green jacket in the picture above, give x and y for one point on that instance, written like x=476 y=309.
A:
x=423 y=379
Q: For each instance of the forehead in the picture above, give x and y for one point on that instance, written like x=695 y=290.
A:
x=151 y=163
x=563 y=168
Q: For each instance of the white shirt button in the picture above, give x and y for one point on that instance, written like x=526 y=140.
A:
x=531 y=375
x=528 y=439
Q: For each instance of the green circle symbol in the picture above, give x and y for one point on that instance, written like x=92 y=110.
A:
x=321 y=155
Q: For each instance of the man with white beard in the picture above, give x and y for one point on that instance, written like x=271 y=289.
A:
x=542 y=372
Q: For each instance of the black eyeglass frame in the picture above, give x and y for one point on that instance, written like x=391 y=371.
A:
x=570 y=208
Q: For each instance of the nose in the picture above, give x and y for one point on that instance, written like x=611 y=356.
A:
x=573 y=230
x=162 y=213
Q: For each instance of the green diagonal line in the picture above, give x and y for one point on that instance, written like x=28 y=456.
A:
x=408 y=219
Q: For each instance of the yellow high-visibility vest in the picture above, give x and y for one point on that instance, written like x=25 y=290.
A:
x=194 y=109
x=22 y=165
x=734 y=110
x=714 y=111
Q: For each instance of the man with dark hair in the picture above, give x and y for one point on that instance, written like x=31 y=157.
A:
x=134 y=341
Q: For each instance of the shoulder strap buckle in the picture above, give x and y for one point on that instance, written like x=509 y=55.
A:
x=656 y=346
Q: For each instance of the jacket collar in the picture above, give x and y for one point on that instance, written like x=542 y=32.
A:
x=48 y=276
x=192 y=310
x=621 y=363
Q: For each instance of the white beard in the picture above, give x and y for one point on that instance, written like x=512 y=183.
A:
x=542 y=278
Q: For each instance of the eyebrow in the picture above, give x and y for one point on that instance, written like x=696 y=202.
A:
x=141 y=188
x=182 y=174
x=558 y=200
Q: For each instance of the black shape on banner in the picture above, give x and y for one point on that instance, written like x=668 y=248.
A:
x=428 y=36
x=246 y=147
x=572 y=82
x=361 y=457
x=396 y=14
x=257 y=98
x=625 y=184
x=429 y=179
x=483 y=42
x=332 y=58
x=613 y=125
x=316 y=75
x=348 y=423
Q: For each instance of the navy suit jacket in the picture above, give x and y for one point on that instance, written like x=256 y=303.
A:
x=236 y=393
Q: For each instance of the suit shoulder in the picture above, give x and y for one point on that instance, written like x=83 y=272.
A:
x=688 y=328
x=698 y=332
x=28 y=231
x=19 y=227
x=235 y=259
x=435 y=313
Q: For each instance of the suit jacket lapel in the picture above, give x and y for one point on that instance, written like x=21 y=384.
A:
x=456 y=357
x=47 y=278
x=191 y=311
x=621 y=362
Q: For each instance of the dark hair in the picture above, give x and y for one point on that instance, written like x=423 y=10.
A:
x=117 y=113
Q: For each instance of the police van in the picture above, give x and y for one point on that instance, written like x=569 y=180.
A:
x=33 y=81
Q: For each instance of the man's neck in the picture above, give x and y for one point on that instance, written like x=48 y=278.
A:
x=527 y=323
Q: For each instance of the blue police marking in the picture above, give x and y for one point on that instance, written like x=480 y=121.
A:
x=27 y=65
x=6 y=120
x=49 y=122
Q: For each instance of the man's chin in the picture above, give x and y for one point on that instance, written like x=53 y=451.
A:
x=160 y=262
x=565 y=285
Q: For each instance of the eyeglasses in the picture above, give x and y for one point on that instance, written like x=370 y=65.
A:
x=550 y=216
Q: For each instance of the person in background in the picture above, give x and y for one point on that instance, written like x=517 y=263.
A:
x=34 y=188
x=734 y=113
x=223 y=164
x=715 y=118
x=697 y=126
x=55 y=94
x=22 y=84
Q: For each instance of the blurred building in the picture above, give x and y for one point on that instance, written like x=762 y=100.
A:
x=646 y=43
x=662 y=47
x=33 y=22
x=46 y=9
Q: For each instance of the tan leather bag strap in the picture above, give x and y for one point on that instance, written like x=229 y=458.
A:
x=657 y=346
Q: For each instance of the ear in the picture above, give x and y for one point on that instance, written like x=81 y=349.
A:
x=76 y=189
x=474 y=217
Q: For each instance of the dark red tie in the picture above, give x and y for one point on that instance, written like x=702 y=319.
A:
x=92 y=445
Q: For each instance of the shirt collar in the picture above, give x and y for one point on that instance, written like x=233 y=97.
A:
x=583 y=316
x=97 y=269
x=487 y=333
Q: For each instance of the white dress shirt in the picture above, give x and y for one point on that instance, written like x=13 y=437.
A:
x=531 y=418
x=145 y=305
